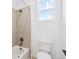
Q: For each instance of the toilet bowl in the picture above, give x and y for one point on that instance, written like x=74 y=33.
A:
x=43 y=55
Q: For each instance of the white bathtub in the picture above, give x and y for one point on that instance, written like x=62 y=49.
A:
x=20 y=54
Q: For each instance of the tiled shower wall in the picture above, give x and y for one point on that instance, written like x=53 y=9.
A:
x=13 y=27
x=23 y=27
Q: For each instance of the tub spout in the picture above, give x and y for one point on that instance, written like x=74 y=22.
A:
x=20 y=48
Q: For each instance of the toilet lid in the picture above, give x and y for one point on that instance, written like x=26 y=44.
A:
x=43 y=55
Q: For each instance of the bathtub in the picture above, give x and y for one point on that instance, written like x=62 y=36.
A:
x=20 y=52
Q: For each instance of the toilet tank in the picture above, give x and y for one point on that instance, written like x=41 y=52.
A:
x=45 y=45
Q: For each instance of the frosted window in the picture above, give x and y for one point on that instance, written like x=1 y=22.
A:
x=46 y=9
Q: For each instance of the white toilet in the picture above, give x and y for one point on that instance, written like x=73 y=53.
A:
x=44 y=50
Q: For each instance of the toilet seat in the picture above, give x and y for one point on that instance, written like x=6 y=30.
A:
x=43 y=55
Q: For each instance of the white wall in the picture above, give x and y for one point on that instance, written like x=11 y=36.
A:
x=13 y=27
x=48 y=30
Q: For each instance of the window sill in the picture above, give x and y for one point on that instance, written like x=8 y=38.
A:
x=46 y=19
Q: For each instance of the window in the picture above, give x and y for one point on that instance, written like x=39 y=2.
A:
x=46 y=9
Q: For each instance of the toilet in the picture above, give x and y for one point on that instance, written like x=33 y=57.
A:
x=44 y=50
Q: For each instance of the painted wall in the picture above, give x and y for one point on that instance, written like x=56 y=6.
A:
x=48 y=30
x=13 y=27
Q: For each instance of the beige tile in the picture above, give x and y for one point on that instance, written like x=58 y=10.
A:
x=13 y=27
x=23 y=25
x=33 y=58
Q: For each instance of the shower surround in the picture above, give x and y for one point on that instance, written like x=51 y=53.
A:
x=21 y=23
